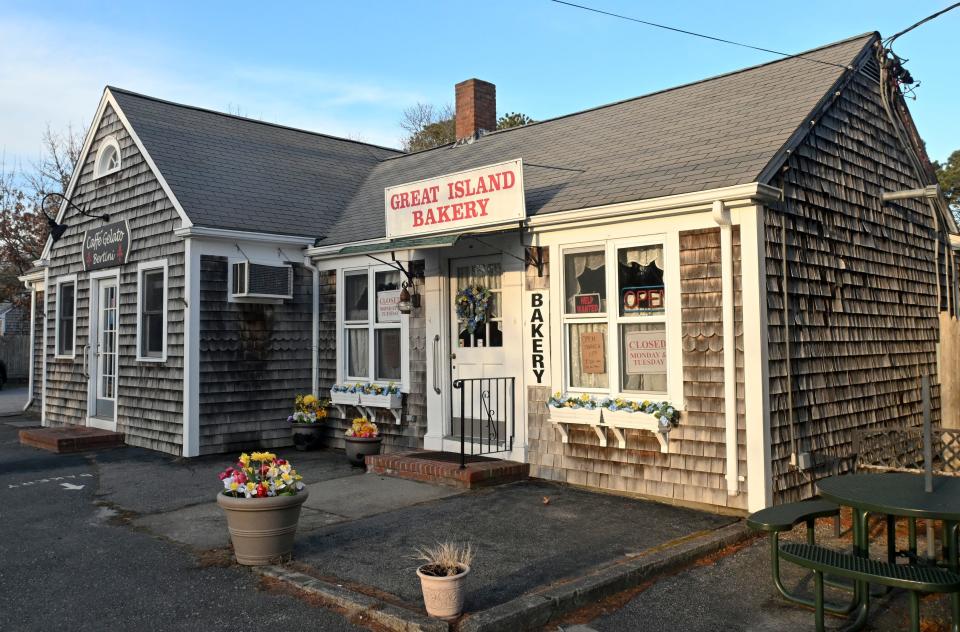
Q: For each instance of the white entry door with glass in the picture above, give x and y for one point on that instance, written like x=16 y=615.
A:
x=483 y=396
x=102 y=366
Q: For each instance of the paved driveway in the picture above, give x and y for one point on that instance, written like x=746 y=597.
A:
x=12 y=400
x=68 y=564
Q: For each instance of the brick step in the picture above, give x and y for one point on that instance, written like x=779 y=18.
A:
x=70 y=439
x=443 y=468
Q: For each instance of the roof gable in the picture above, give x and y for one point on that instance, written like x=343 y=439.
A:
x=235 y=173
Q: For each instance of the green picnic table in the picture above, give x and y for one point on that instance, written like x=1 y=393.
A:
x=895 y=495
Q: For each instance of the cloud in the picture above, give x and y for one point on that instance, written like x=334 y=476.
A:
x=54 y=74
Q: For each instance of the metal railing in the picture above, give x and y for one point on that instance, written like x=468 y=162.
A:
x=487 y=410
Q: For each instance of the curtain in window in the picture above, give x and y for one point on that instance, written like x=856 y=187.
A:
x=585 y=273
x=358 y=352
x=578 y=378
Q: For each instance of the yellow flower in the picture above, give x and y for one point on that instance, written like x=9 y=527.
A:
x=309 y=400
x=245 y=459
x=272 y=472
x=251 y=487
x=234 y=485
x=263 y=456
x=286 y=477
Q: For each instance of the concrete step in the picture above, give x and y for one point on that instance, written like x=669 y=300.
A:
x=443 y=468
x=70 y=439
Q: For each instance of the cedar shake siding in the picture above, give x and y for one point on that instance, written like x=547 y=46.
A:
x=693 y=471
x=254 y=359
x=409 y=434
x=37 y=352
x=149 y=394
x=861 y=283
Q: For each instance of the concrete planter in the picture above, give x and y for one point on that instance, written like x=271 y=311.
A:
x=262 y=529
x=307 y=436
x=443 y=596
x=358 y=448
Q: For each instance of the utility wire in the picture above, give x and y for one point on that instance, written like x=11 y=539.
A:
x=709 y=37
x=887 y=42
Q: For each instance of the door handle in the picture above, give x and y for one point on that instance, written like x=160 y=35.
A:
x=436 y=364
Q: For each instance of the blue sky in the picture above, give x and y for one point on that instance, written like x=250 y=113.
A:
x=350 y=68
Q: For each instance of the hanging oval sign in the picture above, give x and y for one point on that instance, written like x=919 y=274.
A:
x=106 y=246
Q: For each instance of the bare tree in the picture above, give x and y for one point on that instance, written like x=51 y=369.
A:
x=61 y=151
x=428 y=126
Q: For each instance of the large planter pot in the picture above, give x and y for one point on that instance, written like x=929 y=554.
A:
x=443 y=596
x=307 y=436
x=358 y=448
x=262 y=529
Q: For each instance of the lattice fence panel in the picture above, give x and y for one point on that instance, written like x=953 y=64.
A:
x=901 y=450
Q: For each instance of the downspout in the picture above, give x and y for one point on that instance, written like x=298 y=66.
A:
x=33 y=349
x=314 y=375
x=721 y=215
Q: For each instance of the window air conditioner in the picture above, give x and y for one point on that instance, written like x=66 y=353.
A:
x=258 y=280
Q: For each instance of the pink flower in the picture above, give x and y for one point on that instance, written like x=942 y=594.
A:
x=239 y=476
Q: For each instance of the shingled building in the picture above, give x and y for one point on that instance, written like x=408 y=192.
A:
x=721 y=249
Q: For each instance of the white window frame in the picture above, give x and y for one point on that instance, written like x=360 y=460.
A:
x=64 y=280
x=613 y=320
x=371 y=326
x=98 y=168
x=145 y=266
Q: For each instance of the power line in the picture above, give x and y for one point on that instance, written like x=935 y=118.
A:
x=709 y=37
x=887 y=42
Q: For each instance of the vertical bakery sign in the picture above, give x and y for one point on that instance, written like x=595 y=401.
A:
x=106 y=246
x=536 y=319
x=456 y=202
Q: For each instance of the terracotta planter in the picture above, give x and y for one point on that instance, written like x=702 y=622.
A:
x=262 y=529
x=358 y=448
x=443 y=596
x=307 y=436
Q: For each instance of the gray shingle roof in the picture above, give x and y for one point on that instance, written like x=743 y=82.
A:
x=235 y=173
x=241 y=174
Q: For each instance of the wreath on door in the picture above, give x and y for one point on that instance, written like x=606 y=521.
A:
x=473 y=306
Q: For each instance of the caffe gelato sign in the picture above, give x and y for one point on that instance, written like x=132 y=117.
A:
x=457 y=202
x=106 y=246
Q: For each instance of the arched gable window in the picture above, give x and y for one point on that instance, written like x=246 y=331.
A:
x=108 y=157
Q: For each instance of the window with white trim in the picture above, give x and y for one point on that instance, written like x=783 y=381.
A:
x=66 y=318
x=371 y=325
x=152 y=311
x=108 y=157
x=614 y=317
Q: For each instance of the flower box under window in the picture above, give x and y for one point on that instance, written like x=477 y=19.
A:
x=589 y=416
x=387 y=400
x=344 y=398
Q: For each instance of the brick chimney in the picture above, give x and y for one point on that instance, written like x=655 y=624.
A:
x=476 y=107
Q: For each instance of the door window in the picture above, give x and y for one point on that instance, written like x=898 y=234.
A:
x=487 y=329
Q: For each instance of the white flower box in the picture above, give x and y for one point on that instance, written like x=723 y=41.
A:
x=381 y=401
x=588 y=416
x=627 y=419
x=344 y=398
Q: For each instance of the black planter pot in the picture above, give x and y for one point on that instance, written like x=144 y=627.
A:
x=358 y=448
x=307 y=436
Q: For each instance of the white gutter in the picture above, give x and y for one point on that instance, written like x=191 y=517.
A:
x=721 y=215
x=314 y=374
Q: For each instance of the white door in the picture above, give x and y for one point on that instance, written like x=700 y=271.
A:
x=103 y=365
x=483 y=393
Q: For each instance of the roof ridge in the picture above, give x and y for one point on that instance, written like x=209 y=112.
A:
x=655 y=92
x=247 y=119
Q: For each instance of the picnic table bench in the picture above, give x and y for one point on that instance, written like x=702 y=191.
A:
x=914 y=578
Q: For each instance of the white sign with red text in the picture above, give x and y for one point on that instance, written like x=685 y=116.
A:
x=457 y=202
x=646 y=352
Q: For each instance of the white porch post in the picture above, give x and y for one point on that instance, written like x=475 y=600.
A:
x=755 y=358
x=191 y=348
